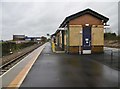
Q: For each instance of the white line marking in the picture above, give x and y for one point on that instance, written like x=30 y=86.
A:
x=30 y=67
x=18 y=63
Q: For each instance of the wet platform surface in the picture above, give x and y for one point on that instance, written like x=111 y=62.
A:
x=66 y=70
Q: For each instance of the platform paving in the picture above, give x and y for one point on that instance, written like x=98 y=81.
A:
x=11 y=75
x=67 y=70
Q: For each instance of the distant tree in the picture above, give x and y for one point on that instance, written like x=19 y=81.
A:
x=48 y=34
x=119 y=37
x=110 y=36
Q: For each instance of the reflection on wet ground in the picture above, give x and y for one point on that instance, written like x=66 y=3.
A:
x=107 y=59
x=65 y=70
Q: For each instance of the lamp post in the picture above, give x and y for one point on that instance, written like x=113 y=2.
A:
x=80 y=42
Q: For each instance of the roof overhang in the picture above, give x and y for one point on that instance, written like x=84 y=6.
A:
x=87 y=11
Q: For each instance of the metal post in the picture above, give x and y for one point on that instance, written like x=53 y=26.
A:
x=111 y=57
x=80 y=51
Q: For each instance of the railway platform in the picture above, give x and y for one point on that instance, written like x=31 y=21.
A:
x=16 y=74
x=65 y=70
x=44 y=68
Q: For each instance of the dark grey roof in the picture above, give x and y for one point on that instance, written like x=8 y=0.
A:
x=87 y=11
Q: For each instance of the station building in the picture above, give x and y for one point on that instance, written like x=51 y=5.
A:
x=24 y=39
x=82 y=32
x=18 y=37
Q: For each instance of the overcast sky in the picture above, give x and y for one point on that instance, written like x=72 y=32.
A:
x=37 y=18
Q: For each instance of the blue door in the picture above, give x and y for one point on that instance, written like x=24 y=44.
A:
x=86 y=38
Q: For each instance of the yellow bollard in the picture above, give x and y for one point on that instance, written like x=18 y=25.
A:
x=53 y=46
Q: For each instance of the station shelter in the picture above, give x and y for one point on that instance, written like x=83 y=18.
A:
x=82 y=32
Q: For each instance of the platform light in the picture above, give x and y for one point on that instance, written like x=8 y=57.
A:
x=86 y=24
x=62 y=29
x=106 y=26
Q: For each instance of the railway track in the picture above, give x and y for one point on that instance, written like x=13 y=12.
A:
x=6 y=66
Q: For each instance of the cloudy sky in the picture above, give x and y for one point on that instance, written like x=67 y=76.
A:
x=37 y=18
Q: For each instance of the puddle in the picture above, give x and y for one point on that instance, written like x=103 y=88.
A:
x=47 y=54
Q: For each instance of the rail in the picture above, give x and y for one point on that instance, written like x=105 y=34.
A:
x=16 y=59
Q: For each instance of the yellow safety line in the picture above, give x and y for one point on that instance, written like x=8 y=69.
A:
x=15 y=84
